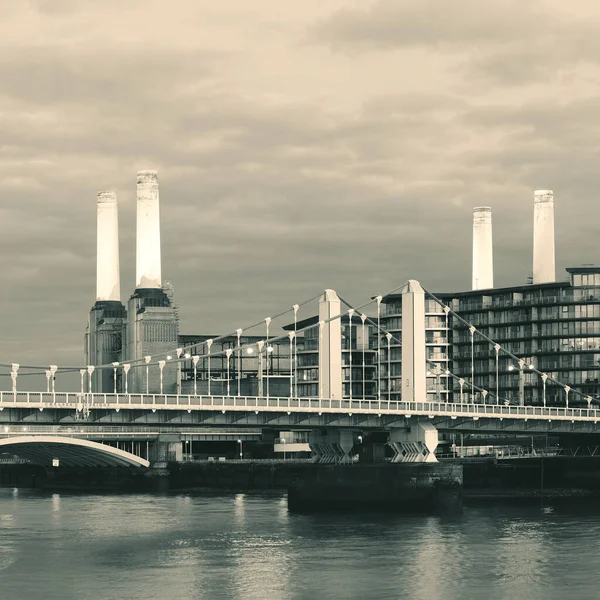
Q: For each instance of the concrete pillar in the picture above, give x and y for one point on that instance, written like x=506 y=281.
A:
x=108 y=285
x=414 y=370
x=483 y=260
x=330 y=347
x=166 y=450
x=416 y=443
x=148 y=263
x=544 y=269
x=331 y=446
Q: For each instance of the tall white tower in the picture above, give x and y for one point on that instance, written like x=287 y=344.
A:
x=107 y=319
x=108 y=286
x=544 y=270
x=483 y=258
x=148 y=272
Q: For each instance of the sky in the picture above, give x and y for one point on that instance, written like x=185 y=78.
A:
x=300 y=146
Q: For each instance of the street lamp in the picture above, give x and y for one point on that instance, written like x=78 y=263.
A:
x=228 y=353
x=115 y=365
x=296 y=307
x=291 y=336
x=241 y=450
x=379 y=299
x=161 y=366
x=14 y=373
x=350 y=314
x=283 y=442
x=49 y=376
x=209 y=343
x=90 y=370
x=321 y=325
x=126 y=371
x=388 y=336
x=269 y=350
x=53 y=369
x=147 y=359
x=195 y=360
x=363 y=318
x=179 y=352
x=238 y=332
x=260 y=345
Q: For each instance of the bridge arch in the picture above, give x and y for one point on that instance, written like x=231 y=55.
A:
x=71 y=452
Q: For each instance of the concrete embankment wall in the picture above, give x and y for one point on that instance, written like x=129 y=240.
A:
x=517 y=478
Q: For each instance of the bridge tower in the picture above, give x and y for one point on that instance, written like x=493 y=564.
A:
x=414 y=368
x=105 y=330
x=330 y=346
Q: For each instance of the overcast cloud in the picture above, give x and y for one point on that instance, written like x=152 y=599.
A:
x=300 y=146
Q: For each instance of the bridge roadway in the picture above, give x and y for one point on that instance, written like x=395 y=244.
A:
x=285 y=412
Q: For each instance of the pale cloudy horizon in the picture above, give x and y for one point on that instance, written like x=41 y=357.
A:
x=335 y=144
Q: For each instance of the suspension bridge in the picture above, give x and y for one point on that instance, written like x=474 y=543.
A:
x=333 y=417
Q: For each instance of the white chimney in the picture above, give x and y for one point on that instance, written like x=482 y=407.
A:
x=483 y=257
x=108 y=285
x=544 y=270
x=148 y=231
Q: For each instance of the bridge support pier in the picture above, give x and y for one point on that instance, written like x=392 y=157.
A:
x=166 y=449
x=416 y=443
x=331 y=446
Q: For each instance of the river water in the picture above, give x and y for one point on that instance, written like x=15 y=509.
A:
x=129 y=547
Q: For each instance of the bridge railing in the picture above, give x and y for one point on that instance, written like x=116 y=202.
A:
x=77 y=401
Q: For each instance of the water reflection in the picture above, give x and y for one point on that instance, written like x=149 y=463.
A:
x=248 y=546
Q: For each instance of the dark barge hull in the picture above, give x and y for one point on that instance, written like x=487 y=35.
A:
x=422 y=488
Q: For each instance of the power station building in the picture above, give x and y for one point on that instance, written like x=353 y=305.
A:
x=149 y=325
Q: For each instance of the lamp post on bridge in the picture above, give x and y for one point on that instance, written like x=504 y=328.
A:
x=228 y=354
x=241 y=450
x=90 y=370
x=115 y=366
x=53 y=369
x=350 y=314
x=179 y=352
x=363 y=318
x=472 y=331
x=567 y=390
x=240 y=363
x=269 y=350
x=321 y=325
x=296 y=307
x=195 y=360
x=291 y=336
x=81 y=373
x=147 y=359
x=379 y=299
x=209 y=343
x=125 y=371
x=161 y=366
x=497 y=348
x=388 y=336
x=260 y=345
x=14 y=373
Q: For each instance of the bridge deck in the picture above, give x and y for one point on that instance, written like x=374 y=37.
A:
x=153 y=402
